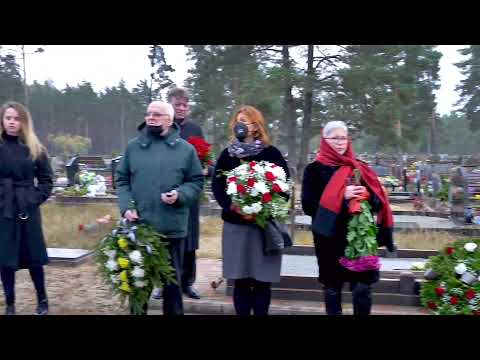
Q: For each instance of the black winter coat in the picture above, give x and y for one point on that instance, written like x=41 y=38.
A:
x=330 y=249
x=219 y=182
x=187 y=129
x=21 y=240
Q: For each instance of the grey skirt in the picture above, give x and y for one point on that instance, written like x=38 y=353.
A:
x=242 y=250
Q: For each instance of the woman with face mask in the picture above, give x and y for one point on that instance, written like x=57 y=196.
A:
x=326 y=190
x=23 y=159
x=242 y=240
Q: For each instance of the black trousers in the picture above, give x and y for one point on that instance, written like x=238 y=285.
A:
x=250 y=294
x=172 y=294
x=362 y=299
x=8 y=282
x=189 y=272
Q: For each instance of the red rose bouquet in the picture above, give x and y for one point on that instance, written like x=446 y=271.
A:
x=255 y=189
x=203 y=149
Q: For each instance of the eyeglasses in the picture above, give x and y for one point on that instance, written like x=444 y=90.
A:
x=338 y=139
x=154 y=114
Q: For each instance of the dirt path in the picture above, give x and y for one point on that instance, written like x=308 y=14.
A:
x=71 y=291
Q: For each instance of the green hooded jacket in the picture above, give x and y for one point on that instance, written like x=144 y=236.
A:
x=152 y=166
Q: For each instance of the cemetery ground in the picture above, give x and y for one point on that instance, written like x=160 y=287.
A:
x=79 y=290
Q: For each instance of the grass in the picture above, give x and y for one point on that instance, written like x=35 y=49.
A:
x=411 y=240
x=60 y=225
x=425 y=239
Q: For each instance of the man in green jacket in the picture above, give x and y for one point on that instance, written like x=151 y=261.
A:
x=162 y=175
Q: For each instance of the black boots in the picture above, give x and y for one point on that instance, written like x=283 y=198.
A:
x=333 y=300
x=42 y=308
x=10 y=310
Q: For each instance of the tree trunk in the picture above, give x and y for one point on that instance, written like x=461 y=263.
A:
x=122 y=126
x=307 y=114
x=289 y=108
x=434 y=135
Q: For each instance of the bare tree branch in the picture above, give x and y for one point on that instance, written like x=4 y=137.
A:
x=266 y=48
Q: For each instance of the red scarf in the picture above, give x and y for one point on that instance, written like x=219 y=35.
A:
x=333 y=195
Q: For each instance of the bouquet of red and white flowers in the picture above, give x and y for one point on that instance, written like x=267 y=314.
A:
x=256 y=188
x=203 y=149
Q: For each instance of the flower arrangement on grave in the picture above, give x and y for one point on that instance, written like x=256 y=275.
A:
x=362 y=249
x=133 y=259
x=255 y=189
x=389 y=180
x=86 y=177
x=442 y=194
x=452 y=285
x=90 y=184
x=203 y=149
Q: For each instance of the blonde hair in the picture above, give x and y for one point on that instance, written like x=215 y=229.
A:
x=27 y=132
x=256 y=117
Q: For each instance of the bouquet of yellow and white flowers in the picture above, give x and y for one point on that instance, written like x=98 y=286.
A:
x=133 y=259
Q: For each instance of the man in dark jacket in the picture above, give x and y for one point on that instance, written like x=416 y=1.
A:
x=179 y=98
x=162 y=174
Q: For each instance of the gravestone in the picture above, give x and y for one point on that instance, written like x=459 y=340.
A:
x=95 y=164
x=113 y=166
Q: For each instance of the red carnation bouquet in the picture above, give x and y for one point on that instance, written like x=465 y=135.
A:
x=203 y=149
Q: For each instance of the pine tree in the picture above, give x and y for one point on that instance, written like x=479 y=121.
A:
x=470 y=86
x=160 y=72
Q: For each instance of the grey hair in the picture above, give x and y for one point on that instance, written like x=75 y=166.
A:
x=167 y=106
x=332 y=125
x=178 y=92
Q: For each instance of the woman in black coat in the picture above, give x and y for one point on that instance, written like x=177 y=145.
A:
x=242 y=240
x=23 y=160
x=326 y=191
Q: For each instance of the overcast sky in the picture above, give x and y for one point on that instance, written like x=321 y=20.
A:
x=105 y=65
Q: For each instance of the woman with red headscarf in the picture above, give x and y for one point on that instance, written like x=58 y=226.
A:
x=326 y=191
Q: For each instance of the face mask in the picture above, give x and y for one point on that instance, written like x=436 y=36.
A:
x=241 y=131
x=155 y=130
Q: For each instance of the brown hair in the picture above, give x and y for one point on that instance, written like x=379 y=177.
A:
x=178 y=93
x=256 y=117
x=27 y=133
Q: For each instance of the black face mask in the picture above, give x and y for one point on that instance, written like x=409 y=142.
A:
x=155 y=130
x=241 y=131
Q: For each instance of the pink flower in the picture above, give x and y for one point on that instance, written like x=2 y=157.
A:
x=363 y=263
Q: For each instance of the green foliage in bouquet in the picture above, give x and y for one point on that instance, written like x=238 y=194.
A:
x=452 y=285
x=362 y=234
x=133 y=260
x=75 y=191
